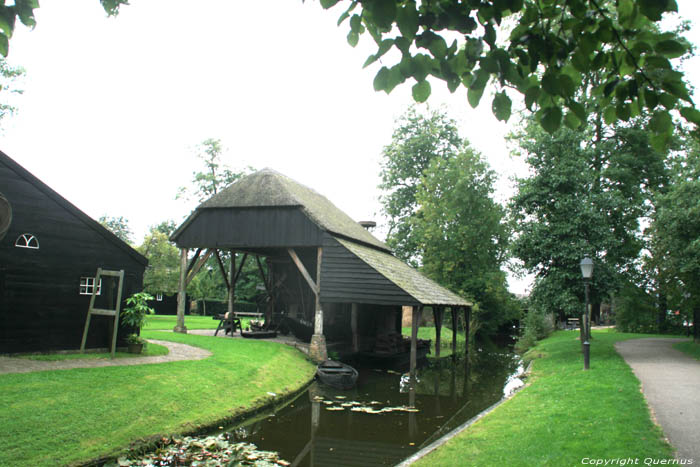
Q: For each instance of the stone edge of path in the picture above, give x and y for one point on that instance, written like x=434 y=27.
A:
x=447 y=437
x=177 y=352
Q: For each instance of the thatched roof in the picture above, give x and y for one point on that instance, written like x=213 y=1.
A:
x=268 y=188
x=404 y=276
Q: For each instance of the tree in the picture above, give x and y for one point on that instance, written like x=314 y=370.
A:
x=215 y=176
x=546 y=54
x=676 y=230
x=416 y=142
x=163 y=272
x=9 y=75
x=462 y=234
x=119 y=226
x=585 y=197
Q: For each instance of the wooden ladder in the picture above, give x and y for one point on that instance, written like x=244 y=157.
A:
x=104 y=312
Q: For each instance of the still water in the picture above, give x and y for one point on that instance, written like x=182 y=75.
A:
x=382 y=421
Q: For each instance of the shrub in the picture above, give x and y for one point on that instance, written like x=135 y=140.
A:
x=535 y=325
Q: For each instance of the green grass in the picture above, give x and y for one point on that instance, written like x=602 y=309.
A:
x=565 y=414
x=428 y=333
x=167 y=322
x=689 y=347
x=150 y=350
x=69 y=416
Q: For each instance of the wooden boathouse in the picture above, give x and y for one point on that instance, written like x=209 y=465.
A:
x=49 y=255
x=322 y=270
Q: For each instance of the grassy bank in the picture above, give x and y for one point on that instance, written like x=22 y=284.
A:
x=150 y=350
x=565 y=414
x=61 y=417
x=168 y=322
x=689 y=347
x=428 y=333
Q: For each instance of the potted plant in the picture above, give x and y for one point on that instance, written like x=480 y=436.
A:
x=134 y=315
x=135 y=343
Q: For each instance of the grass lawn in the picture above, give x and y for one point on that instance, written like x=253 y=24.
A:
x=61 y=417
x=565 y=414
x=150 y=350
x=689 y=347
x=168 y=322
x=428 y=333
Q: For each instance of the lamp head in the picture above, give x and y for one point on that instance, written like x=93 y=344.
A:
x=587 y=267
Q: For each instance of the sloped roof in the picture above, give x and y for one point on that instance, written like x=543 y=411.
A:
x=68 y=206
x=404 y=276
x=268 y=188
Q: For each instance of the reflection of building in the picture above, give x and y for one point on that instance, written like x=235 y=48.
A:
x=48 y=259
x=330 y=277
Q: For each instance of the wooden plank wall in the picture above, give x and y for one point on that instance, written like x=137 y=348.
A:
x=40 y=305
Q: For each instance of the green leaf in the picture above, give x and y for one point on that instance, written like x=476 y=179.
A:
x=651 y=99
x=326 y=4
x=623 y=111
x=691 y=114
x=421 y=91
x=653 y=9
x=550 y=118
x=671 y=48
x=4 y=45
x=668 y=100
x=572 y=121
x=661 y=122
x=353 y=38
x=580 y=61
x=550 y=84
x=578 y=110
x=501 y=106
x=381 y=79
x=474 y=96
x=407 y=20
x=610 y=115
x=383 y=12
x=625 y=11
x=531 y=96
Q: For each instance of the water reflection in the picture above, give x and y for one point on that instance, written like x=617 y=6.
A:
x=373 y=423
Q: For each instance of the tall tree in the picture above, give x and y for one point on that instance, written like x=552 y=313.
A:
x=163 y=271
x=462 y=234
x=215 y=176
x=417 y=140
x=9 y=76
x=119 y=227
x=583 y=198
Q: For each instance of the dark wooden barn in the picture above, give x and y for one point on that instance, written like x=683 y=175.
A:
x=324 y=272
x=49 y=255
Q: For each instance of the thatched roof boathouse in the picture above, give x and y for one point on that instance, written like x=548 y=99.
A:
x=324 y=270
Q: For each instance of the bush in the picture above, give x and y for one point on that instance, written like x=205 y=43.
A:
x=535 y=325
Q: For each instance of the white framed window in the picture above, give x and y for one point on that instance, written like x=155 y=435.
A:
x=87 y=285
x=27 y=240
x=159 y=297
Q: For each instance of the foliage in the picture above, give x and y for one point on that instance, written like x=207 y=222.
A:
x=585 y=196
x=635 y=310
x=140 y=401
x=119 y=226
x=136 y=310
x=136 y=339
x=542 y=51
x=9 y=75
x=163 y=272
x=461 y=235
x=416 y=141
x=552 y=420
x=216 y=175
x=536 y=324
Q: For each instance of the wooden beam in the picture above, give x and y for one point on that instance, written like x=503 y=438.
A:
x=181 y=296
x=467 y=318
x=262 y=274
x=222 y=268
x=240 y=267
x=353 y=324
x=437 y=316
x=453 y=312
x=416 y=312
x=193 y=272
x=232 y=282
x=193 y=260
x=303 y=270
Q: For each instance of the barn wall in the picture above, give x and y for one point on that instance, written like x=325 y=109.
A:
x=250 y=228
x=40 y=305
x=345 y=278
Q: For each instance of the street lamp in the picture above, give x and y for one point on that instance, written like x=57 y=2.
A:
x=587 y=273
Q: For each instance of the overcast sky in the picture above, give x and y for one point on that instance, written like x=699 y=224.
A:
x=113 y=107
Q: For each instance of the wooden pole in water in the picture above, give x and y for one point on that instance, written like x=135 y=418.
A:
x=414 y=340
x=437 y=317
x=453 y=312
x=353 y=324
x=467 y=318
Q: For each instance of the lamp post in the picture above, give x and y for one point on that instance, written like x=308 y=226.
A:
x=587 y=273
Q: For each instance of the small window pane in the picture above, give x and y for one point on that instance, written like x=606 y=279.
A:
x=87 y=285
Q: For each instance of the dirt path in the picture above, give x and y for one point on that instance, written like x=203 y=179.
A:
x=671 y=385
x=177 y=352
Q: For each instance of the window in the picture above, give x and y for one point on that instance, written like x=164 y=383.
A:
x=87 y=285
x=159 y=297
x=27 y=240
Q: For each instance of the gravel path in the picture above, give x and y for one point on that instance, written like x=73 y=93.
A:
x=177 y=352
x=671 y=385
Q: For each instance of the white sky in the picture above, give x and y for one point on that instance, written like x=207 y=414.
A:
x=113 y=107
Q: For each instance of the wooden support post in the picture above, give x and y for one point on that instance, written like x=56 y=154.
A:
x=415 y=318
x=467 y=317
x=181 y=294
x=232 y=284
x=437 y=318
x=453 y=312
x=317 y=348
x=353 y=324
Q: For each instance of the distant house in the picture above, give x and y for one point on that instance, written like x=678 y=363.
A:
x=49 y=254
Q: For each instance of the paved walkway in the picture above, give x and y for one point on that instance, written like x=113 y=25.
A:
x=177 y=352
x=671 y=385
